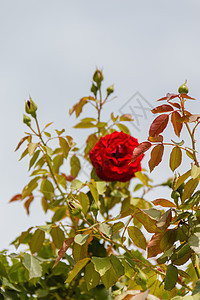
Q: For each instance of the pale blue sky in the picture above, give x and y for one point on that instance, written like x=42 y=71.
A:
x=49 y=49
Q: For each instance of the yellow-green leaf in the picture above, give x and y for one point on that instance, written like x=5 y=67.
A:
x=137 y=237
x=175 y=158
x=189 y=188
x=77 y=268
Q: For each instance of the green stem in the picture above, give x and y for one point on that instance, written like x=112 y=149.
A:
x=190 y=133
x=195 y=265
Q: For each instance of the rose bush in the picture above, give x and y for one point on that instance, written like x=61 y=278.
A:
x=112 y=155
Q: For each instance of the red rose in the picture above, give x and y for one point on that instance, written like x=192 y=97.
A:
x=111 y=157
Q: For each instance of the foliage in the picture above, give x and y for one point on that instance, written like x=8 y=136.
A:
x=84 y=252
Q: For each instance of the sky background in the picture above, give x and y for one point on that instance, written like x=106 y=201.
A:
x=50 y=49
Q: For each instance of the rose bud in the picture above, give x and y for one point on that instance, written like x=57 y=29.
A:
x=110 y=90
x=98 y=77
x=30 y=108
x=75 y=208
x=183 y=89
x=26 y=120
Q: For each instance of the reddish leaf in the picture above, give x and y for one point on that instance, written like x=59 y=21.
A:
x=16 y=198
x=175 y=158
x=177 y=105
x=153 y=247
x=140 y=149
x=163 y=98
x=156 y=138
x=162 y=108
x=163 y=202
x=177 y=125
x=187 y=97
x=68 y=177
x=21 y=141
x=158 y=125
x=156 y=156
x=171 y=96
x=28 y=202
x=66 y=244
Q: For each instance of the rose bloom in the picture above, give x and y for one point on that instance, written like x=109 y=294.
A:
x=111 y=157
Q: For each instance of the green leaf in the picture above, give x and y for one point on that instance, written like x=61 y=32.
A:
x=171 y=277
x=189 y=188
x=3 y=272
x=47 y=134
x=75 y=166
x=62 y=180
x=142 y=177
x=196 y=288
x=45 y=228
x=31 y=148
x=39 y=172
x=94 y=192
x=81 y=239
x=24 y=154
x=106 y=229
x=47 y=189
x=101 y=264
x=84 y=201
x=58 y=237
x=76 y=185
x=195 y=171
x=57 y=162
x=175 y=158
x=34 y=158
x=101 y=187
x=59 y=214
x=137 y=237
x=32 y=185
x=77 y=268
x=147 y=221
x=85 y=125
x=91 y=276
x=37 y=241
x=65 y=146
x=32 y=265
x=128 y=268
x=181 y=179
x=117 y=265
x=194 y=242
x=194 y=200
x=59 y=132
x=48 y=151
x=181 y=254
x=117 y=226
x=123 y=128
